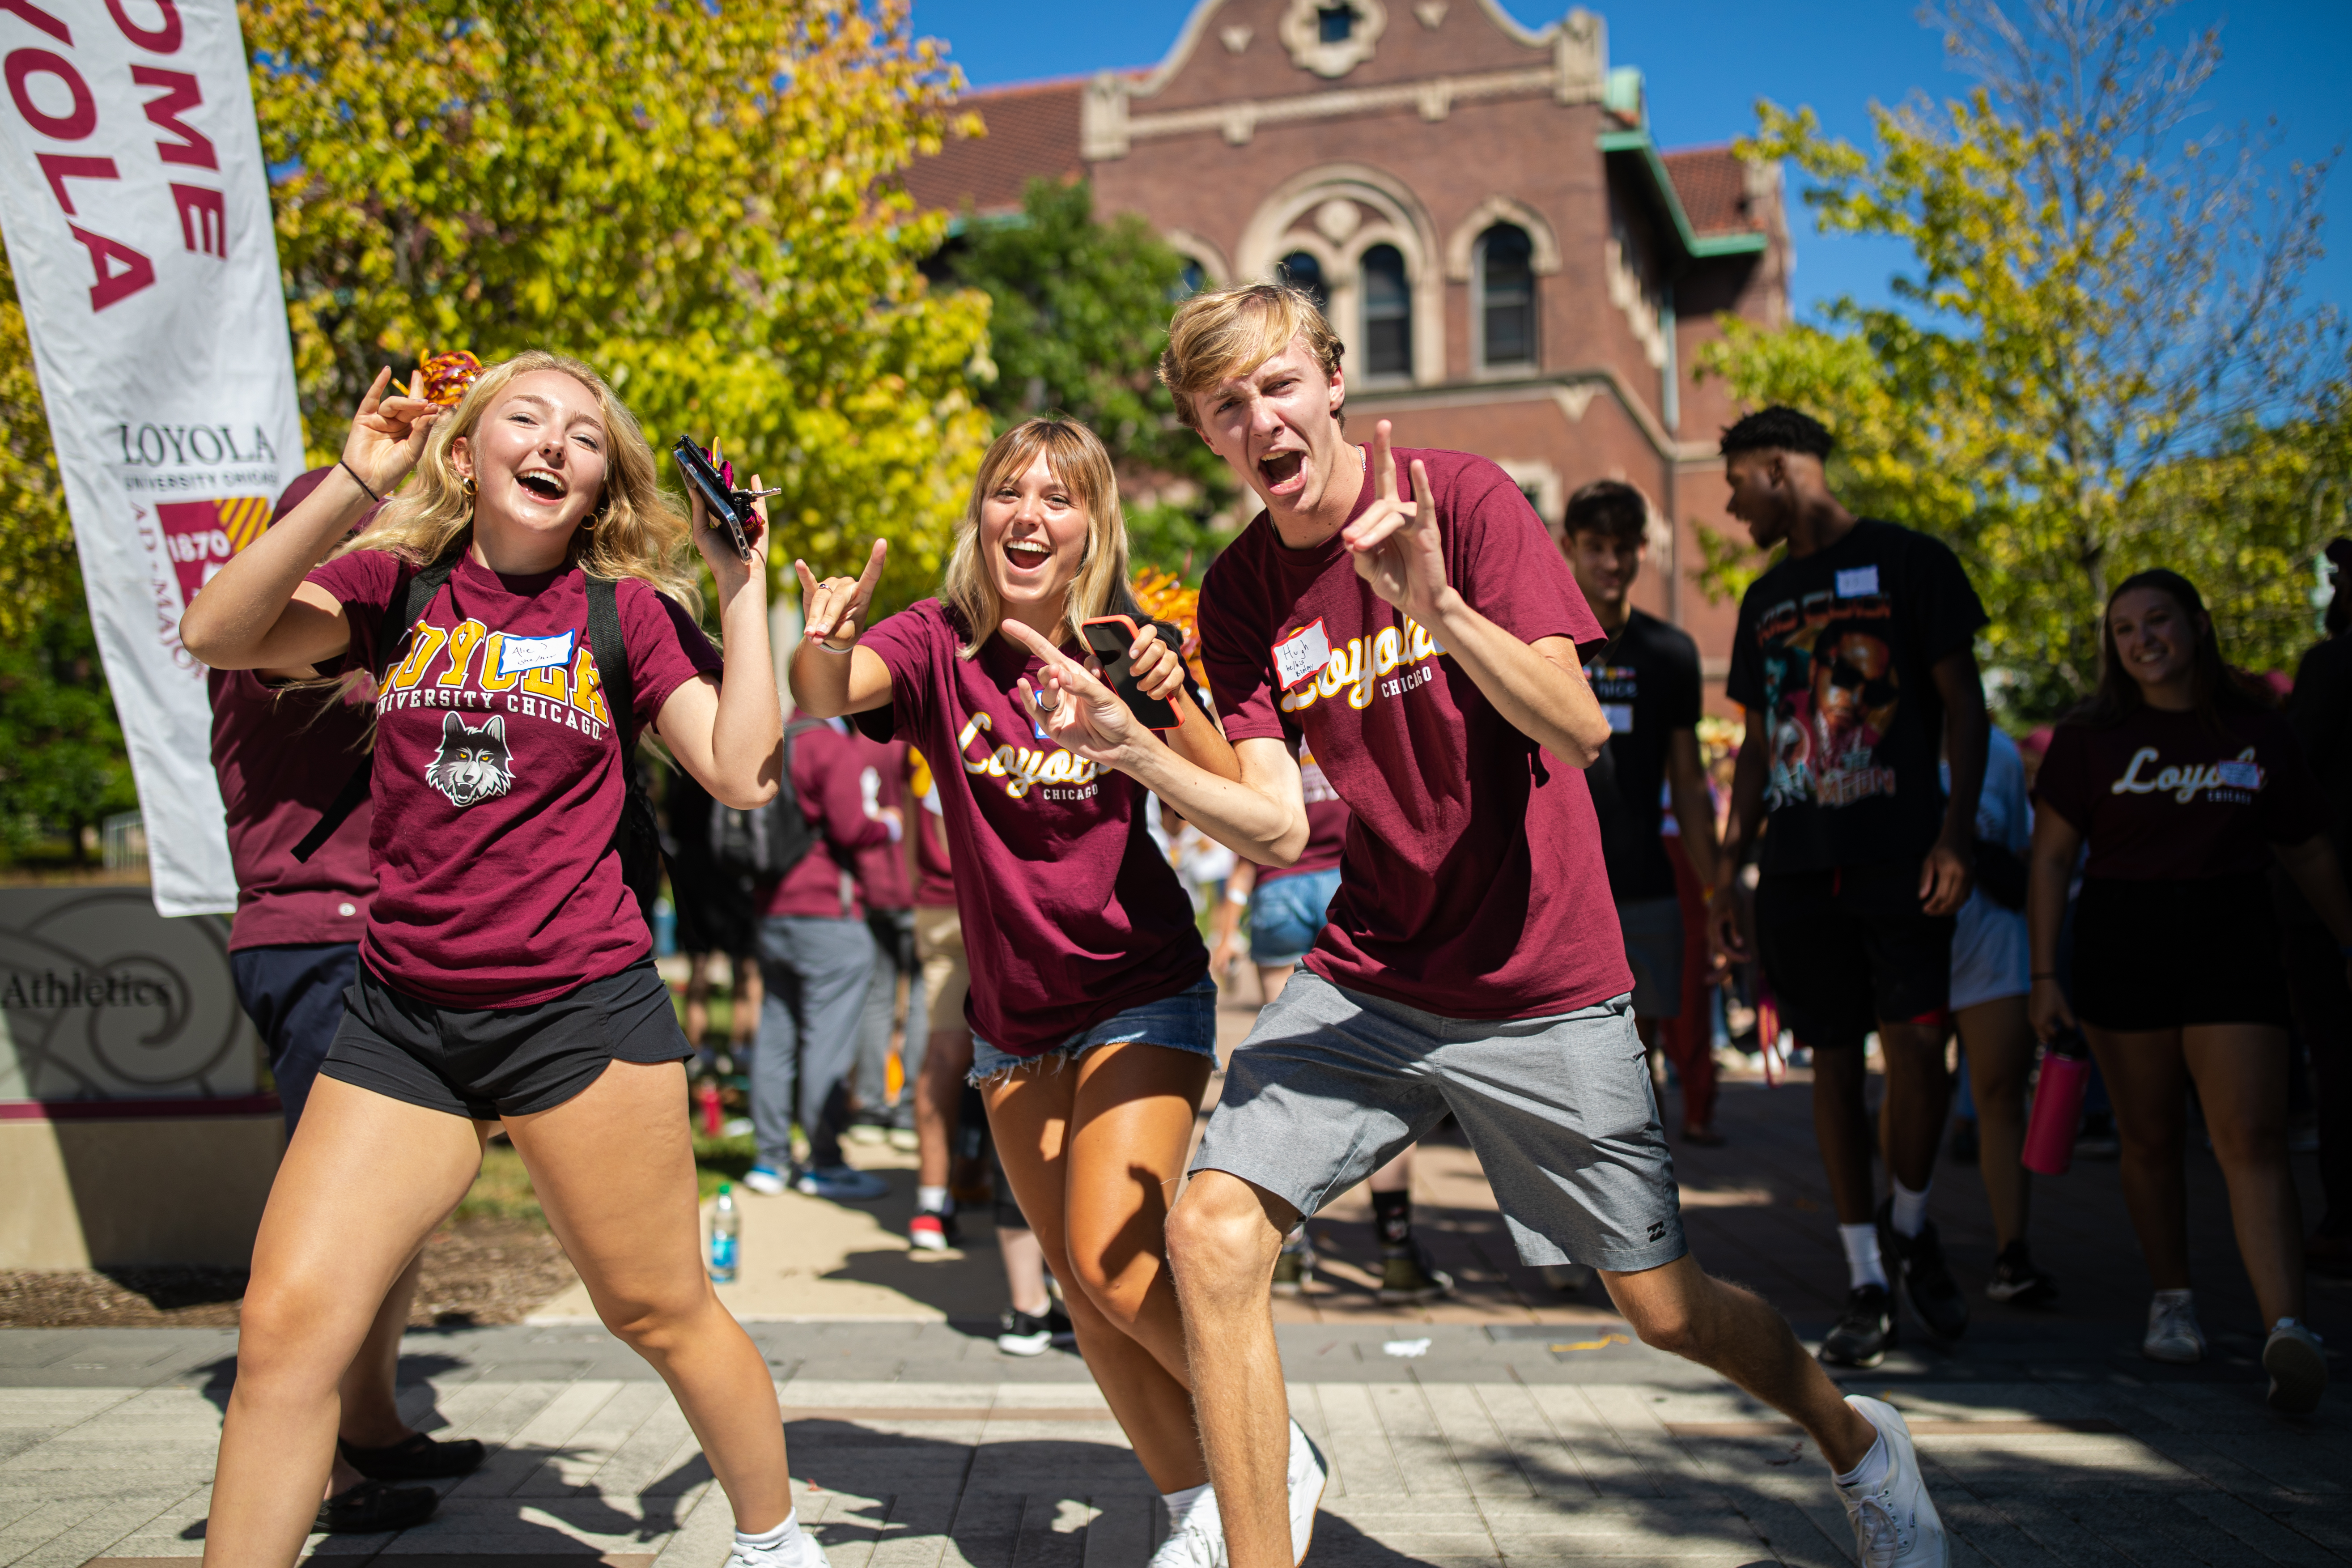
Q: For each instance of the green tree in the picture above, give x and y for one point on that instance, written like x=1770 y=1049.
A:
x=2099 y=359
x=699 y=200
x=62 y=766
x=1078 y=313
x=38 y=575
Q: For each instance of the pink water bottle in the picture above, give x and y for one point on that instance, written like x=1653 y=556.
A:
x=2057 y=1105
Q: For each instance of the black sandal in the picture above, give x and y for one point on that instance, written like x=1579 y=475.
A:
x=374 y=1508
x=416 y=1457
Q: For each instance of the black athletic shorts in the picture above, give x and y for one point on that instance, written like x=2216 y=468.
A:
x=1849 y=949
x=490 y=1062
x=2159 y=954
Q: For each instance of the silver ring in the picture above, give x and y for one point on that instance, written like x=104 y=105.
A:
x=1046 y=707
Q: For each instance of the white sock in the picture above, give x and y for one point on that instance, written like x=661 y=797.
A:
x=1182 y=1505
x=930 y=1200
x=1910 y=1209
x=1863 y=1264
x=785 y=1538
x=1871 y=1474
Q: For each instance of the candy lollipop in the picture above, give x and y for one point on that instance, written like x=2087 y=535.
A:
x=447 y=375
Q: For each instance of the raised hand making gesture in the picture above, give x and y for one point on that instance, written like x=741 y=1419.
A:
x=387 y=434
x=729 y=568
x=1395 y=544
x=836 y=608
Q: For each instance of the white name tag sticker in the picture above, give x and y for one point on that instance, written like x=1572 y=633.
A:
x=1857 y=583
x=1301 y=655
x=1620 y=716
x=2240 y=775
x=517 y=655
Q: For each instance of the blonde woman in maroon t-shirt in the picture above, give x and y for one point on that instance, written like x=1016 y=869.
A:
x=1092 y=1013
x=2185 y=791
x=505 y=972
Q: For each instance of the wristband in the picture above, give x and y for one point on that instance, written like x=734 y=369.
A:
x=1235 y=893
x=362 y=484
x=828 y=647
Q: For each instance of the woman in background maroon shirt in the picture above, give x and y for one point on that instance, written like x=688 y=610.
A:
x=2186 y=790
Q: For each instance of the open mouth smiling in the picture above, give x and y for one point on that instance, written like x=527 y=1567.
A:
x=542 y=484
x=1028 y=555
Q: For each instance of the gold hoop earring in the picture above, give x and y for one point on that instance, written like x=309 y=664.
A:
x=466 y=483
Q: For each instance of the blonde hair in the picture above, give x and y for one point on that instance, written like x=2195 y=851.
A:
x=1232 y=330
x=1076 y=457
x=636 y=531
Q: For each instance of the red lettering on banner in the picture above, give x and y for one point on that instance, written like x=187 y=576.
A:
x=111 y=287
x=180 y=92
x=165 y=38
x=59 y=167
x=204 y=218
x=72 y=126
x=39 y=18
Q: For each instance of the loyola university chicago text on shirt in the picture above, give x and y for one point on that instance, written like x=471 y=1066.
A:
x=1351 y=670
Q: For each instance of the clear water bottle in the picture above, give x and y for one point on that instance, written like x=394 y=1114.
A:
x=726 y=1235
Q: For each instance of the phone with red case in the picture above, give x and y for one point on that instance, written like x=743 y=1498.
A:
x=1108 y=639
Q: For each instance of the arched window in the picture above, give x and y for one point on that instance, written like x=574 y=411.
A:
x=1506 y=296
x=1301 y=270
x=1388 y=314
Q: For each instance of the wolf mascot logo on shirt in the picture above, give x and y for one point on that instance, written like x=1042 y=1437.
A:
x=473 y=765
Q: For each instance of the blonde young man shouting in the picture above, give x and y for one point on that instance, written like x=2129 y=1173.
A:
x=1429 y=651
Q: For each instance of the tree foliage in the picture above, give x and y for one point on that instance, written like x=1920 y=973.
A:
x=1078 y=313
x=699 y=200
x=38 y=571
x=62 y=766
x=2099 y=359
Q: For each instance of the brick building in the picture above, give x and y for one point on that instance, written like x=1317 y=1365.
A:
x=1516 y=268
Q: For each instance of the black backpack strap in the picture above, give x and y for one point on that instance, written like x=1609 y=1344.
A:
x=638 y=838
x=410 y=599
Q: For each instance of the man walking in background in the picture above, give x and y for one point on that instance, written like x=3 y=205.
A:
x=1647 y=677
x=1855 y=659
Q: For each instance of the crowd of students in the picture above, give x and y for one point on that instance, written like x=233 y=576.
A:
x=1476 y=836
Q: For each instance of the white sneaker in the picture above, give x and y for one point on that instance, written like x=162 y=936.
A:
x=764 y=1179
x=1307 y=1477
x=803 y=1553
x=2172 y=1332
x=1198 y=1542
x=1894 y=1523
x=2297 y=1366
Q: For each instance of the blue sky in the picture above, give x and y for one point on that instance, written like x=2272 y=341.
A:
x=1707 y=61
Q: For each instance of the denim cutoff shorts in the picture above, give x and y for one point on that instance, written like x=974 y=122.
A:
x=1288 y=913
x=1185 y=1022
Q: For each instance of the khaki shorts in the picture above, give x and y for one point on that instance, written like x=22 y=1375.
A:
x=938 y=945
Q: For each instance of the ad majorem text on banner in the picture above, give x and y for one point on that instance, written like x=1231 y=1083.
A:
x=137 y=216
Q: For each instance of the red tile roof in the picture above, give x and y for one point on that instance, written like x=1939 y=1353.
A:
x=1032 y=131
x=1713 y=186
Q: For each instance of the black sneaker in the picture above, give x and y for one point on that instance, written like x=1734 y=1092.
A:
x=1024 y=1335
x=417 y=1458
x=1860 y=1337
x=2017 y=1281
x=1935 y=1298
x=373 y=1508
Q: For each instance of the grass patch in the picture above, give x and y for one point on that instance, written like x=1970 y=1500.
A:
x=503 y=1190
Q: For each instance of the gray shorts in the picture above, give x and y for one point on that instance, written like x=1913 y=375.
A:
x=1653 y=951
x=1332 y=1084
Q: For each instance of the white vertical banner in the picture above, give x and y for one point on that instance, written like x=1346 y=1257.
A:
x=137 y=216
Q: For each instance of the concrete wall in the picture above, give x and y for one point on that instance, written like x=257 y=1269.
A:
x=85 y=1192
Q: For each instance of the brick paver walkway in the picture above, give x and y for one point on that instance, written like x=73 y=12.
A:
x=1525 y=1430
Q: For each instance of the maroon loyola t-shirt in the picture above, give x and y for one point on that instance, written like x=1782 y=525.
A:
x=497 y=780
x=2160 y=795
x=1070 y=915
x=1472 y=885
x=282 y=755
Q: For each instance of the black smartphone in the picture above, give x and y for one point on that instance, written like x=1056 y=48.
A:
x=1108 y=639
x=729 y=508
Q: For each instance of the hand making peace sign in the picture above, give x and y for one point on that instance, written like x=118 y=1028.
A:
x=1396 y=545
x=838 y=605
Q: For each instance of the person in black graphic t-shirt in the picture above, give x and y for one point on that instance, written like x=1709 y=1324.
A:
x=1853 y=658
x=1647 y=678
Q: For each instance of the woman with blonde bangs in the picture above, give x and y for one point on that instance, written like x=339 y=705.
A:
x=1092 y=1012
x=505 y=970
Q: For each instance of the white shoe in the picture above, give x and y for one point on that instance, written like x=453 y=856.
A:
x=1894 y=1523
x=764 y=1179
x=2172 y=1332
x=804 y=1552
x=2297 y=1366
x=1307 y=1479
x=1198 y=1542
